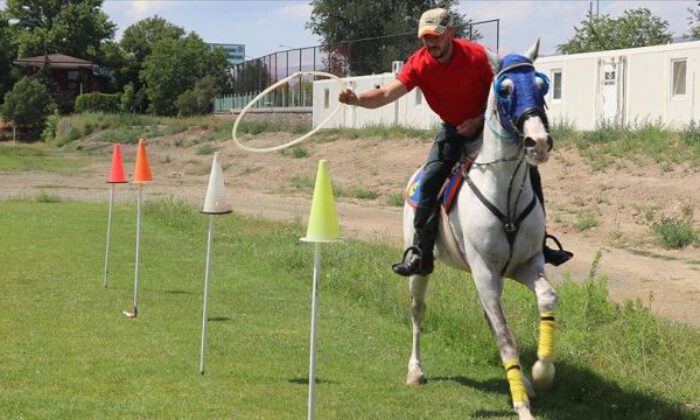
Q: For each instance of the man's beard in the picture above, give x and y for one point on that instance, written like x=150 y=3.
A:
x=436 y=52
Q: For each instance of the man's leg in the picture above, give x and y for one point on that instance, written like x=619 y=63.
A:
x=445 y=152
x=551 y=256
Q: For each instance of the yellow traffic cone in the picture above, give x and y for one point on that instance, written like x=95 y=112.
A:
x=215 y=201
x=323 y=220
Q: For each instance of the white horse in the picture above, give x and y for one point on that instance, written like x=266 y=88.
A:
x=497 y=224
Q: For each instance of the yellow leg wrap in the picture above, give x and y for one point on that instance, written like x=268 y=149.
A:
x=545 y=349
x=515 y=380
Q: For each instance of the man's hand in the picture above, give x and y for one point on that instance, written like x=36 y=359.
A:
x=347 y=96
x=471 y=127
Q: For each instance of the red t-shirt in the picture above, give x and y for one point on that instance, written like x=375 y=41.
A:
x=457 y=90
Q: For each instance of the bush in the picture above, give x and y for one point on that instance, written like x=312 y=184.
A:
x=128 y=99
x=27 y=104
x=690 y=135
x=196 y=101
x=675 y=233
x=98 y=102
x=50 y=127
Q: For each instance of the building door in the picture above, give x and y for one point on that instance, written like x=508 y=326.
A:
x=611 y=90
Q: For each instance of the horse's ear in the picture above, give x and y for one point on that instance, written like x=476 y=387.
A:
x=494 y=60
x=533 y=50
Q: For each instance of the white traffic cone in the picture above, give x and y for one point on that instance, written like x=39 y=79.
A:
x=215 y=201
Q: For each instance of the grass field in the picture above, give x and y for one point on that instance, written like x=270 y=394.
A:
x=38 y=157
x=67 y=352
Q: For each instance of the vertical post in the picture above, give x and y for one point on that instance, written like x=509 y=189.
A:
x=314 y=317
x=14 y=134
x=286 y=74
x=205 y=311
x=498 y=34
x=109 y=233
x=137 y=271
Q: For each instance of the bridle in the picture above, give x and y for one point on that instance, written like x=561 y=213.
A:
x=512 y=115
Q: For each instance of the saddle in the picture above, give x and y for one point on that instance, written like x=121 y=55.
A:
x=448 y=193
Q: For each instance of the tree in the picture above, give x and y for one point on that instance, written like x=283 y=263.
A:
x=197 y=100
x=347 y=20
x=136 y=44
x=27 y=104
x=8 y=52
x=139 y=38
x=635 y=28
x=174 y=66
x=72 y=27
x=694 y=22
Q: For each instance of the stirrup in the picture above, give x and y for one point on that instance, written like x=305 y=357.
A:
x=552 y=256
x=408 y=268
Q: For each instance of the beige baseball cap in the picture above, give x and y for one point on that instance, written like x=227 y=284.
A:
x=434 y=22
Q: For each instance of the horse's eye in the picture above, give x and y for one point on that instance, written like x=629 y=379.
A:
x=506 y=87
x=542 y=84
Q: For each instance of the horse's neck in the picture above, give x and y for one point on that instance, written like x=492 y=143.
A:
x=494 y=179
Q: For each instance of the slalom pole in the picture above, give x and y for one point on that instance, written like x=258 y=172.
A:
x=314 y=320
x=323 y=228
x=116 y=176
x=215 y=204
x=137 y=271
x=205 y=309
x=109 y=233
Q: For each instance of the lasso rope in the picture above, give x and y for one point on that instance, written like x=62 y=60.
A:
x=270 y=89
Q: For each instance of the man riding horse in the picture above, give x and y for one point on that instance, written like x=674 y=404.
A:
x=454 y=75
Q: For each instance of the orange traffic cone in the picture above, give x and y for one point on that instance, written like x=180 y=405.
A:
x=142 y=172
x=116 y=173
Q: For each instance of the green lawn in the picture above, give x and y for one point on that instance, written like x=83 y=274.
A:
x=68 y=352
x=38 y=157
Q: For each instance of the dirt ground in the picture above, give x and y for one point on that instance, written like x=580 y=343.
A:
x=623 y=198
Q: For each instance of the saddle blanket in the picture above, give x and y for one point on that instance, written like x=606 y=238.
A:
x=449 y=191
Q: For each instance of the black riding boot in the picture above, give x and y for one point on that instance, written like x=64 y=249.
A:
x=551 y=256
x=419 y=258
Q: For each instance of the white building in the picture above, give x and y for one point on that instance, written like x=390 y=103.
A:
x=655 y=83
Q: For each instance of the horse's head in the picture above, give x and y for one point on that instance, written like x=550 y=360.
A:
x=517 y=99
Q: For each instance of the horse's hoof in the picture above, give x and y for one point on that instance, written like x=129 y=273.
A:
x=416 y=380
x=415 y=376
x=543 y=375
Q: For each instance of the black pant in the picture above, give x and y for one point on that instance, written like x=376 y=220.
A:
x=444 y=154
x=446 y=151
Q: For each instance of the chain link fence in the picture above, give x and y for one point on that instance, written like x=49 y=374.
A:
x=350 y=58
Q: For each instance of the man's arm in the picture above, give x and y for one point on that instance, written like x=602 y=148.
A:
x=374 y=98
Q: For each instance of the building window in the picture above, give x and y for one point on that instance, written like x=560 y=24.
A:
x=326 y=98
x=419 y=97
x=678 y=72
x=556 y=85
x=73 y=74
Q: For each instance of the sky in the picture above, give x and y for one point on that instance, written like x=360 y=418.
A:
x=267 y=26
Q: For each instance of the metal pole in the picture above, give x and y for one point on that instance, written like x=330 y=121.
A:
x=138 y=242
x=109 y=233
x=498 y=34
x=205 y=309
x=314 y=317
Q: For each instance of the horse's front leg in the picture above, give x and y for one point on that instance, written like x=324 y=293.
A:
x=543 y=370
x=418 y=285
x=489 y=285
